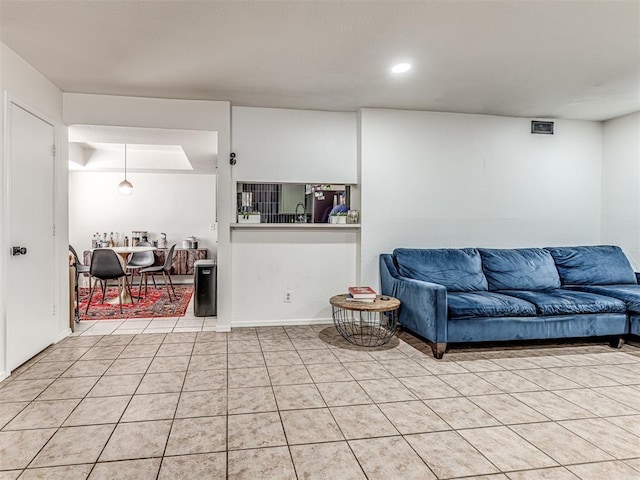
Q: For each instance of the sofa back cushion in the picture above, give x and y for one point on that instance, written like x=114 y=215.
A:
x=459 y=270
x=593 y=265
x=519 y=269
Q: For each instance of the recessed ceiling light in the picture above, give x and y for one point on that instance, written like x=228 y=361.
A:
x=401 y=68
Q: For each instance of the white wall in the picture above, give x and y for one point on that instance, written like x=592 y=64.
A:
x=177 y=204
x=277 y=145
x=26 y=84
x=212 y=116
x=439 y=180
x=313 y=265
x=621 y=185
x=297 y=146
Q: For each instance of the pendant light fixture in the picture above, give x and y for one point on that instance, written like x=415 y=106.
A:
x=125 y=187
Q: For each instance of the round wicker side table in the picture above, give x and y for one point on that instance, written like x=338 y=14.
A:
x=368 y=324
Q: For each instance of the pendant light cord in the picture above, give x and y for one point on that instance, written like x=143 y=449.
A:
x=125 y=187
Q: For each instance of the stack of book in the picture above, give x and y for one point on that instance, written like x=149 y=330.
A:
x=361 y=294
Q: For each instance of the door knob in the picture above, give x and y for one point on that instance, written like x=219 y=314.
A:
x=19 y=251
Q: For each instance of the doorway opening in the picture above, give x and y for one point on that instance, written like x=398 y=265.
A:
x=173 y=202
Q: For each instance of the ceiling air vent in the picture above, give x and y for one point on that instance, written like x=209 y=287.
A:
x=545 y=128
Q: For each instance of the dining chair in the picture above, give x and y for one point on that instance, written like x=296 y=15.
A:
x=81 y=269
x=105 y=266
x=160 y=269
x=139 y=260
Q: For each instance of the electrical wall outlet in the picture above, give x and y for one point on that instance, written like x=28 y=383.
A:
x=288 y=296
x=212 y=226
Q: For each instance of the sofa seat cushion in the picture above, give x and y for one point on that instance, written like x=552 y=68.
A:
x=594 y=265
x=487 y=304
x=629 y=294
x=519 y=269
x=568 y=302
x=457 y=269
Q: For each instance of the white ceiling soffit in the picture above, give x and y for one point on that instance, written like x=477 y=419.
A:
x=101 y=148
x=140 y=158
x=570 y=59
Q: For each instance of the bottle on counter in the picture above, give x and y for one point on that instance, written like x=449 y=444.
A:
x=126 y=241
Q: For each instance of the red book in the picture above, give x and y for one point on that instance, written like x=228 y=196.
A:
x=362 y=292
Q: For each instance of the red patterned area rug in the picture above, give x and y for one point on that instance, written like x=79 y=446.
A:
x=155 y=304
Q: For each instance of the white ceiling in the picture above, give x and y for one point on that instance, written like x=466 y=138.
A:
x=101 y=148
x=532 y=58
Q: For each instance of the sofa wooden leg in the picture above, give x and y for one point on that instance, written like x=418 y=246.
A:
x=617 y=342
x=438 y=349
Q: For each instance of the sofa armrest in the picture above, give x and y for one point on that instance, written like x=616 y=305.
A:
x=424 y=304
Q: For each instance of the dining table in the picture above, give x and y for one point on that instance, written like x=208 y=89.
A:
x=123 y=253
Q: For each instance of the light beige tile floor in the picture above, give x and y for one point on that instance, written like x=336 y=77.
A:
x=161 y=325
x=181 y=402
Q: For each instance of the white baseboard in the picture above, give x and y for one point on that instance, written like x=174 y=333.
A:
x=181 y=279
x=289 y=322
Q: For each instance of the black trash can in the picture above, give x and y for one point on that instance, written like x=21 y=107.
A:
x=205 y=283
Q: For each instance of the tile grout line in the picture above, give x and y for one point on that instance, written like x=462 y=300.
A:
x=593 y=415
x=121 y=415
x=284 y=431
x=85 y=396
x=175 y=410
x=400 y=435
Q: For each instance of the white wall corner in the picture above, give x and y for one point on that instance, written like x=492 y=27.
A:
x=63 y=334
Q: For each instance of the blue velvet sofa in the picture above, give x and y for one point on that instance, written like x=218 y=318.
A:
x=480 y=295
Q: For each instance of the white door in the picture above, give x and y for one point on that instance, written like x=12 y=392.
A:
x=30 y=206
